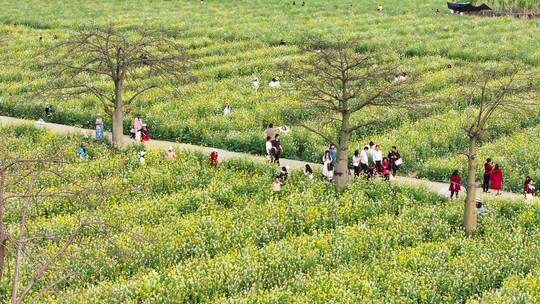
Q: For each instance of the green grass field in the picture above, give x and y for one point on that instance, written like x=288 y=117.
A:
x=194 y=234
x=218 y=235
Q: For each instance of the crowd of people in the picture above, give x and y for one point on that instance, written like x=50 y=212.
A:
x=368 y=161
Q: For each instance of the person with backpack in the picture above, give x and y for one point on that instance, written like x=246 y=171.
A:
x=214 y=158
x=455 y=184
x=328 y=165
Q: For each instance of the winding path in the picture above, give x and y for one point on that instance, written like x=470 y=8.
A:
x=225 y=154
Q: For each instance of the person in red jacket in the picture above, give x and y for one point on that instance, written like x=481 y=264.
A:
x=214 y=158
x=528 y=188
x=496 y=179
x=386 y=169
x=488 y=168
x=455 y=184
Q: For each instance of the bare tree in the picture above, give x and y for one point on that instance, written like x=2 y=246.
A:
x=21 y=186
x=495 y=89
x=341 y=84
x=116 y=67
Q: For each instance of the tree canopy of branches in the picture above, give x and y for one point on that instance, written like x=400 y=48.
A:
x=38 y=258
x=115 y=67
x=494 y=90
x=338 y=83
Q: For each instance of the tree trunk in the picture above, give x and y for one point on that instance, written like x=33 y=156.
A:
x=118 y=117
x=470 y=204
x=2 y=232
x=341 y=172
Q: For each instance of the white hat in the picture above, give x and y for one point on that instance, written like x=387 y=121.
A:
x=170 y=148
x=142 y=153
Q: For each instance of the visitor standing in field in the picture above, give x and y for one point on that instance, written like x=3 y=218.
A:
x=227 y=109
x=333 y=153
x=256 y=84
x=497 y=179
x=528 y=188
x=386 y=168
x=364 y=159
x=48 y=109
x=455 y=184
x=137 y=126
x=169 y=154
x=284 y=173
x=270 y=131
x=276 y=185
x=328 y=165
x=99 y=127
x=488 y=169
x=214 y=158
x=377 y=158
x=145 y=133
x=274 y=83
x=395 y=160
x=356 y=163
x=480 y=206
x=268 y=149
x=277 y=149
x=82 y=153
x=308 y=172
x=142 y=160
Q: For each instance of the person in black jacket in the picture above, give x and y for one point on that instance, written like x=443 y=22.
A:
x=394 y=156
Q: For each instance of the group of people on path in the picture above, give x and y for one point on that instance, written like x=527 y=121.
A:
x=139 y=131
x=369 y=162
x=493 y=180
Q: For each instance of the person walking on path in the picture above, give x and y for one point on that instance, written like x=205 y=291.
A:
x=99 y=127
x=214 y=158
x=497 y=179
x=328 y=165
x=268 y=149
x=333 y=153
x=145 y=133
x=277 y=149
x=395 y=160
x=137 y=126
x=386 y=168
x=356 y=163
x=455 y=184
x=528 y=188
x=364 y=159
x=488 y=169
x=377 y=158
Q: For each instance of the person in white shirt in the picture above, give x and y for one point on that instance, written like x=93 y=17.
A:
x=356 y=162
x=274 y=83
x=364 y=159
x=256 y=84
x=141 y=157
x=227 y=109
x=269 y=149
x=377 y=158
x=328 y=166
